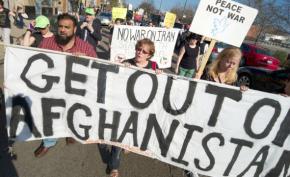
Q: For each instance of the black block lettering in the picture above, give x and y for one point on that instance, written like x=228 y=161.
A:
x=205 y=140
x=191 y=129
x=240 y=144
x=283 y=162
x=166 y=98
x=20 y=103
x=260 y=165
x=73 y=76
x=102 y=78
x=114 y=126
x=70 y=117
x=132 y=121
x=221 y=93
x=164 y=143
x=130 y=90
x=49 y=79
x=252 y=112
x=47 y=104
x=283 y=132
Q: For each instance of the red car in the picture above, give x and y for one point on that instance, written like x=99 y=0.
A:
x=254 y=55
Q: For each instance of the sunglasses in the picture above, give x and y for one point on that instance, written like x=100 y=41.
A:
x=38 y=29
x=142 y=51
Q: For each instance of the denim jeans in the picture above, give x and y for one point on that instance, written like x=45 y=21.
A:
x=49 y=142
x=114 y=159
x=5 y=33
x=38 y=6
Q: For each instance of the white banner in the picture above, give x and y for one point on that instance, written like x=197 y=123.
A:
x=201 y=126
x=125 y=37
x=224 y=20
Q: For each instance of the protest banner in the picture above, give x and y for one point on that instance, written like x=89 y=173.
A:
x=223 y=20
x=125 y=37
x=206 y=127
x=118 y=12
x=169 y=20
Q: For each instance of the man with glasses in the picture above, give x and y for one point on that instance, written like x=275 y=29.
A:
x=89 y=30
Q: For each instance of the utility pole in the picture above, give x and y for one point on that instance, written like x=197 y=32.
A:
x=183 y=10
x=160 y=7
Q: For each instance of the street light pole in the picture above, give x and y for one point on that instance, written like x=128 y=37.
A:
x=160 y=6
x=183 y=9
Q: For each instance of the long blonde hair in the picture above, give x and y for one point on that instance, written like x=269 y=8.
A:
x=227 y=53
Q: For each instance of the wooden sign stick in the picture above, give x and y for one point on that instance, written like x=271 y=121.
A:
x=205 y=59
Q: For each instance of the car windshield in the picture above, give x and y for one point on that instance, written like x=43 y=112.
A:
x=263 y=52
x=106 y=15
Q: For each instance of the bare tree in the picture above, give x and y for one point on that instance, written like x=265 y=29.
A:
x=272 y=15
x=148 y=6
x=184 y=14
x=114 y=3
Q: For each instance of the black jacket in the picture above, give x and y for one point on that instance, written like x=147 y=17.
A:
x=92 y=38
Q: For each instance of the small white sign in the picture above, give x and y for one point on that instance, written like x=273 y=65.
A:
x=130 y=7
x=223 y=20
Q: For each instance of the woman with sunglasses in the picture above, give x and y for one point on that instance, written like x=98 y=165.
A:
x=37 y=30
x=144 y=50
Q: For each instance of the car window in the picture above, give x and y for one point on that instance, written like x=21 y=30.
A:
x=245 y=48
x=106 y=15
x=281 y=74
x=262 y=51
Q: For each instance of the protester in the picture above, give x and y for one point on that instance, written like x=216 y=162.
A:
x=203 y=46
x=145 y=49
x=19 y=17
x=39 y=5
x=37 y=30
x=118 y=21
x=130 y=22
x=5 y=25
x=287 y=88
x=187 y=62
x=150 y=24
x=89 y=30
x=65 y=41
x=224 y=68
x=73 y=6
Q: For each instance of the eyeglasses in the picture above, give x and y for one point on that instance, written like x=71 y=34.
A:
x=142 y=51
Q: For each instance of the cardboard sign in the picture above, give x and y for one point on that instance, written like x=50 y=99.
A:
x=224 y=20
x=210 y=128
x=119 y=13
x=125 y=38
x=169 y=20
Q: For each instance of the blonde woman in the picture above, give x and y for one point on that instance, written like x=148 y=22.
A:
x=224 y=68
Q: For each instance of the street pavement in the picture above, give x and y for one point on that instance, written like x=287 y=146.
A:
x=75 y=160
